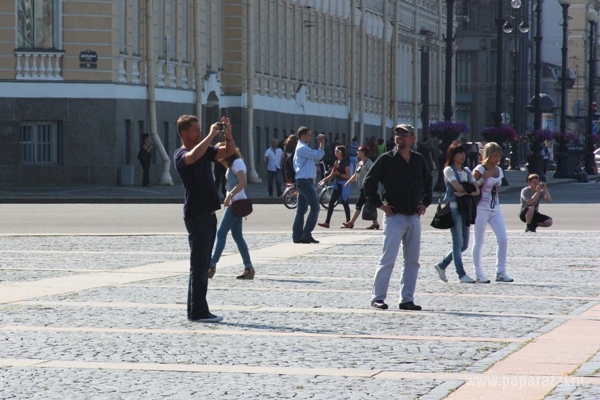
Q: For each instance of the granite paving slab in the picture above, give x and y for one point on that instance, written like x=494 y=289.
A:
x=380 y=323
x=54 y=383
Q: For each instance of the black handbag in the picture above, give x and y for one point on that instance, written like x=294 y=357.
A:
x=369 y=212
x=442 y=218
x=241 y=208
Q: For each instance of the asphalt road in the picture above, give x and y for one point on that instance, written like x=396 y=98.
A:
x=575 y=207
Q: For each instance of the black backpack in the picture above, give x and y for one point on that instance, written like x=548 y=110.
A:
x=288 y=168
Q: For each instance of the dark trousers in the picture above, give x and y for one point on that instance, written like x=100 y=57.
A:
x=202 y=230
x=337 y=193
x=146 y=169
x=220 y=179
x=274 y=175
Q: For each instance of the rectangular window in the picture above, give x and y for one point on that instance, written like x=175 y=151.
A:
x=36 y=20
x=463 y=72
x=40 y=143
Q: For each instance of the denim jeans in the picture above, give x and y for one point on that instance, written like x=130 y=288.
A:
x=202 y=230
x=460 y=242
x=276 y=175
x=307 y=196
x=353 y=163
x=230 y=222
x=398 y=229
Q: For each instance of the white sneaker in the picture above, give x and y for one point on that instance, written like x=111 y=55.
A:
x=466 y=279
x=482 y=279
x=502 y=277
x=441 y=273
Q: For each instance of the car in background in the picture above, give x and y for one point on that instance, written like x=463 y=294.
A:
x=597 y=157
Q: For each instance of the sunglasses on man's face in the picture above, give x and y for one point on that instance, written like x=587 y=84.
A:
x=402 y=133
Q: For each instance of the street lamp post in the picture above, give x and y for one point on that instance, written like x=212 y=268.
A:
x=537 y=113
x=499 y=71
x=562 y=170
x=535 y=163
x=509 y=28
x=443 y=146
x=592 y=17
x=449 y=40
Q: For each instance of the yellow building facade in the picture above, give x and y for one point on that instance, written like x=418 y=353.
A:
x=80 y=81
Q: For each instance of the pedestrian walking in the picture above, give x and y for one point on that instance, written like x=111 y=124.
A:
x=353 y=154
x=340 y=173
x=363 y=167
x=407 y=182
x=236 y=190
x=545 y=157
x=304 y=165
x=489 y=178
x=192 y=162
x=530 y=203
x=274 y=158
x=460 y=189
x=145 y=156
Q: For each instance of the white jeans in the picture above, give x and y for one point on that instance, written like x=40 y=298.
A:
x=399 y=228
x=494 y=218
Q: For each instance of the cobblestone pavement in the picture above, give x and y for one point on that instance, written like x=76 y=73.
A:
x=103 y=317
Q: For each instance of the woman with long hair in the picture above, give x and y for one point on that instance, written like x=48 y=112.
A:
x=341 y=173
x=363 y=166
x=236 y=184
x=454 y=176
x=289 y=147
x=489 y=178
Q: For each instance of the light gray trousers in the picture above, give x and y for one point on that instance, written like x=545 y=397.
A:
x=399 y=228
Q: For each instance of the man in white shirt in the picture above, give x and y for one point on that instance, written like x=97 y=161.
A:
x=273 y=158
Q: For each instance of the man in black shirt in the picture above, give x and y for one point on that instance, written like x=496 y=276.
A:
x=192 y=162
x=407 y=182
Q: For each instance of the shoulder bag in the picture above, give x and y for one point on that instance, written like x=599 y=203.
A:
x=442 y=218
x=241 y=208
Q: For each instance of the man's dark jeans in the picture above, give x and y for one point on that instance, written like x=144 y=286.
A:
x=202 y=230
x=274 y=175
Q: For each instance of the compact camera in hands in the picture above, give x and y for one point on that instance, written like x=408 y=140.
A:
x=221 y=126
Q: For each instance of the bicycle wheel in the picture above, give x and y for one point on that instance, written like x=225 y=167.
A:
x=290 y=197
x=325 y=196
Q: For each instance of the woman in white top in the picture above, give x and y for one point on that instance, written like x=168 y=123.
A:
x=454 y=174
x=362 y=168
x=489 y=178
x=236 y=184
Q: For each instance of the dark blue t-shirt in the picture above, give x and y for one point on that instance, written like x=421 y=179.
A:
x=201 y=196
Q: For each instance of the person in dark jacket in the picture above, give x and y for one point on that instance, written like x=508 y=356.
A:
x=145 y=156
x=454 y=175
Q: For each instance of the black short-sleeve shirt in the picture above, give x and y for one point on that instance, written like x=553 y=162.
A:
x=341 y=168
x=201 y=196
